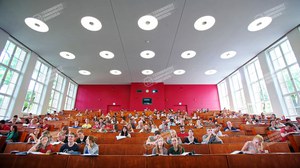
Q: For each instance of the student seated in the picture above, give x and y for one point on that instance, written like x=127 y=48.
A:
x=255 y=146
x=86 y=125
x=182 y=134
x=34 y=136
x=125 y=132
x=70 y=147
x=3 y=126
x=230 y=127
x=173 y=134
x=43 y=145
x=81 y=137
x=15 y=120
x=159 y=148
x=152 y=139
x=287 y=130
x=272 y=126
x=211 y=137
x=13 y=134
x=76 y=124
x=90 y=146
x=190 y=139
x=176 y=149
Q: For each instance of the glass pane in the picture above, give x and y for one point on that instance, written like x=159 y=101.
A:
x=295 y=72
x=2 y=72
x=290 y=58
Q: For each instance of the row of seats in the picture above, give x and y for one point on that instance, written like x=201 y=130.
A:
x=139 y=149
x=138 y=161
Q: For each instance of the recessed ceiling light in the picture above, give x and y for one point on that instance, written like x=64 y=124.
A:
x=228 y=54
x=147 y=72
x=147 y=54
x=210 y=72
x=179 y=72
x=259 y=24
x=67 y=55
x=36 y=24
x=115 y=72
x=84 y=72
x=107 y=54
x=147 y=22
x=91 y=23
x=188 y=54
x=204 y=23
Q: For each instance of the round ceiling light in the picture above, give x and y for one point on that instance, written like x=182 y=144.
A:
x=36 y=24
x=188 y=54
x=204 y=23
x=67 y=55
x=107 y=54
x=210 y=72
x=115 y=72
x=147 y=54
x=84 y=72
x=179 y=72
x=147 y=22
x=228 y=54
x=147 y=72
x=259 y=24
x=91 y=23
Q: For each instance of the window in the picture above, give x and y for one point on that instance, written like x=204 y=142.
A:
x=238 y=92
x=35 y=92
x=12 y=61
x=56 y=93
x=287 y=72
x=223 y=95
x=71 y=95
x=257 y=88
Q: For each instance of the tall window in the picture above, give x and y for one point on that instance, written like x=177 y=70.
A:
x=287 y=71
x=238 y=92
x=257 y=87
x=71 y=95
x=56 y=93
x=12 y=61
x=223 y=95
x=35 y=92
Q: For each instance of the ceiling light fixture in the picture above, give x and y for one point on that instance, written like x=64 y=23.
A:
x=228 y=54
x=259 y=24
x=204 y=23
x=147 y=72
x=115 y=72
x=107 y=54
x=188 y=54
x=67 y=55
x=91 y=23
x=210 y=72
x=147 y=54
x=179 y=72
x=84 y=72
x=36 y=24
x=147 y=22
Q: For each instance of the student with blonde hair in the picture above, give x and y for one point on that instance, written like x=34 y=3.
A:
x=255 y=146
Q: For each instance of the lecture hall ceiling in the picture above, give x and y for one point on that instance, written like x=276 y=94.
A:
x=172 y=33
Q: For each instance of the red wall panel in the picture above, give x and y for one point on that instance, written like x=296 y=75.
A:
x=191 y=97
x=96 y=97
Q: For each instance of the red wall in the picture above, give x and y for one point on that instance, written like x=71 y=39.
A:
x=193 y=96
x=168 y=96
x=96 y=97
